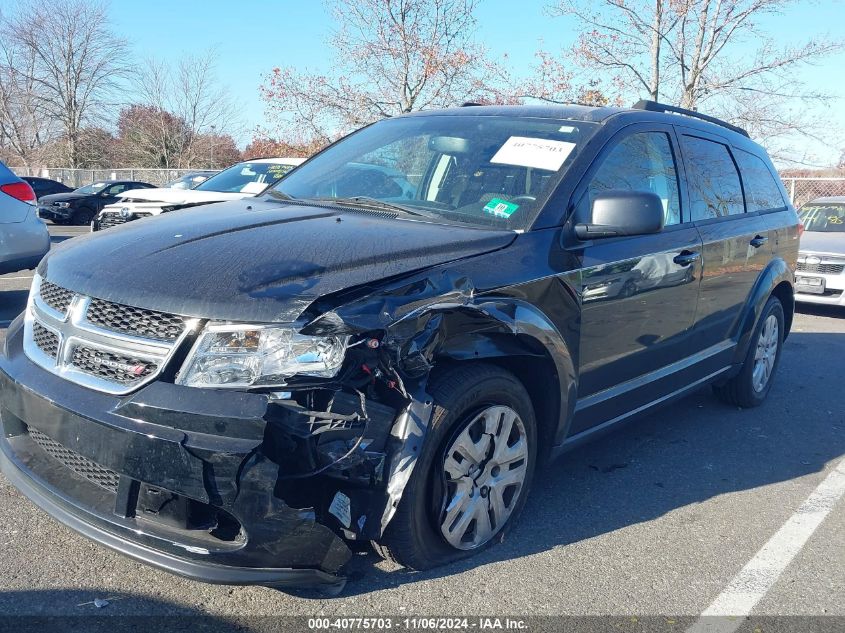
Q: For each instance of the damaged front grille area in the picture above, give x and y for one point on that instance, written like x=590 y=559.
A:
x=82 y=466
x=99 y=344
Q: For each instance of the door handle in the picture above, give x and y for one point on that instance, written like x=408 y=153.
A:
x=685 y=258
x=758 y=241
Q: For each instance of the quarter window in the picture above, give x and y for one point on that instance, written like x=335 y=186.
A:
x=761 y=189
x=641 y=162
x=715 y=190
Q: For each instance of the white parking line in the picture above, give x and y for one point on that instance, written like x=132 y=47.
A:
x=726 y=612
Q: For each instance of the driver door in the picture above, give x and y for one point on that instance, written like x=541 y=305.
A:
x=638 y=293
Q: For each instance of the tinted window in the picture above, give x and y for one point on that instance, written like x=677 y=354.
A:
x=761 y=188
x=713 y=180
x=641 y=162
x=116 y=189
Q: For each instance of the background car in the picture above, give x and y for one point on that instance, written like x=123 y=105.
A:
x=191 y=180
x=820 y=275
x=82 y=205
x=244 y=179
x=24 y=239
x=45 y=186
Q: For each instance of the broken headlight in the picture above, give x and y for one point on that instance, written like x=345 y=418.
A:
x=255 y=356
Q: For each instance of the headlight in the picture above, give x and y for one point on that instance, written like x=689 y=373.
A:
x=63 y=205
x=254 y=356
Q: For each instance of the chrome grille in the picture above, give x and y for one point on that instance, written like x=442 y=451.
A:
x=114 y=218
x=98 y=344
x=113 y=367
x=55 y=296
x=135 y=321
x=83 y=466
x=823 y=269
x=46 y=341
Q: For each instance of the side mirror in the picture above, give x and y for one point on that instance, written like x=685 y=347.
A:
x=621 y=212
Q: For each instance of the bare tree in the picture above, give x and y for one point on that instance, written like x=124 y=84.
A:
x=389 y=57
x=77 y=62
x=182 y=105
x=686 y=52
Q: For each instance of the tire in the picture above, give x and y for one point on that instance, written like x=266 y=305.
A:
x=82 y=217
x=745 y=389
x=466 y=399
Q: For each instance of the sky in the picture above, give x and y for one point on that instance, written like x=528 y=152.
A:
x=253 y=37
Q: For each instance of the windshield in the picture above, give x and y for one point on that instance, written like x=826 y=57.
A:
x=482 y=170
x=823 y=218
x=245 y=178
x=92 y=188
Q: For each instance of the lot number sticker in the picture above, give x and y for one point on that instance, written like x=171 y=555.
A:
x=341 y=508
x=539 y=153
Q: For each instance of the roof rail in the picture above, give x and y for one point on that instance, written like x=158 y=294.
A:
x=469 y=104
x=654 y=106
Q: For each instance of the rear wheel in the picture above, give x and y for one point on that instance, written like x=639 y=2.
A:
x=474 y=473
x=751 y=385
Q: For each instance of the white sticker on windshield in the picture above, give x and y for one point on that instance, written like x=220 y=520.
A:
x=533 y=152
x=254 y=187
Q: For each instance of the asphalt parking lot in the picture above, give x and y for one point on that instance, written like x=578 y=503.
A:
x=656 y=519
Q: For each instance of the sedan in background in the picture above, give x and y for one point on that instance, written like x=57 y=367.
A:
x=45 y=186
x=24 y=239
x=82 y=205
x=241 y=180
x=820 y=276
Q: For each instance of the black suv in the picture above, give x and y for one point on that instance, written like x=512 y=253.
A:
x=234 y=393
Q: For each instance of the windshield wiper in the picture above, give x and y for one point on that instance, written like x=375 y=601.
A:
x=373 y=203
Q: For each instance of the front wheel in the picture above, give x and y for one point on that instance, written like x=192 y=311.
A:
x=82 y=217
x=473 y=476
x=751 y=385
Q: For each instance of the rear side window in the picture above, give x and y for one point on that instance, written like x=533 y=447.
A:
x=714 y=186
x=641 y=162
x=761 y=189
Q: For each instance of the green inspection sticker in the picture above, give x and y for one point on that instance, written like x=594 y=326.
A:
x=500 y=208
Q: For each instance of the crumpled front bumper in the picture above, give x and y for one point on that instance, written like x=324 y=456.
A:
x=188 y=488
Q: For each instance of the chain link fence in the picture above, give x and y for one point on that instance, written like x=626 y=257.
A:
x=802 y=190
x=75 y=178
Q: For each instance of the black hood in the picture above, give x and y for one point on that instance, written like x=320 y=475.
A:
x=67 y=196
x=254 y=260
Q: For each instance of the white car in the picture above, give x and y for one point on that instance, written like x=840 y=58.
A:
x=820 y=274
x=241 y=180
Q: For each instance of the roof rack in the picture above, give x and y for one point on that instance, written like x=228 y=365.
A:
x=469 y=104
x=654 y=106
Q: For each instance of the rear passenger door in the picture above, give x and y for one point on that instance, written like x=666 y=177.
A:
x=736 y=243
x=638 y=293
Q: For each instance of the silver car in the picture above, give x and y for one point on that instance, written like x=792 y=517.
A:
x=820 y=276
x=24 y=238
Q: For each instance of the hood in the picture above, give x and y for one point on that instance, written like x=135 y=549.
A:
x=180 y=196
x=254 y=260
x=62 y=197
x=818 y=242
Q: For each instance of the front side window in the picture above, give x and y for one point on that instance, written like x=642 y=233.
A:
x=115 y=189
x=761 y=189
x=640 y=162
x=714 y=186
x=823 y=218
x=487 y=171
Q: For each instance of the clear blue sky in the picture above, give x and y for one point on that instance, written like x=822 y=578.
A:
x=253 y=37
